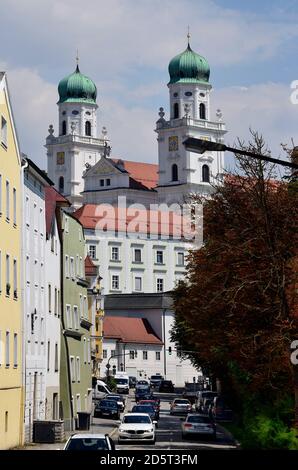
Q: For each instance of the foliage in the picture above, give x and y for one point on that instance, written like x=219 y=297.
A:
x=111 y=383
x=238 y=307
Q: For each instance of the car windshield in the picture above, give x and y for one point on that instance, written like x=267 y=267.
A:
x=108 y=404
x=181 y=402
x=136 y=419
x=114 y=397
x=156 y=377
x=87 y=444
x=198 y=419
x=121 y=381
x=143 y=409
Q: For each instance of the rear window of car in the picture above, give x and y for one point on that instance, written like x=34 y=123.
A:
x=108 y=404
x=87 y=444
x=181 y=402
x=198 y=419
x=166 y=382
x=143 y=409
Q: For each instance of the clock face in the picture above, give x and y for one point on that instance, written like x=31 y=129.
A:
x=173 y=143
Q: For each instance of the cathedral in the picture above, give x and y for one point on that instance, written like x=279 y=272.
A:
x=79 y=157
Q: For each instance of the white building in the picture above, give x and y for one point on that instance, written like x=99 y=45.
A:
x=35 y=285
x=137 y=330
x=53 y=300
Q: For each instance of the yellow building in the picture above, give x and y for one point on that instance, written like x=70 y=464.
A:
x=11 y=408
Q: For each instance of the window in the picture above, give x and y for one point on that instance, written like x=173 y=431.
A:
x=85 y=351
x=14 y=203
x=63 y=127
x=202 y=111
x=137 y=255
x=61 y=185
x=89 y=351
x=68 y=317
x=3 y=131
x=115 y=282
x=132 y=354
x=159 y=257
x=66 y=266
x=72 y=269
x=176 y=110
x=104 y=354
x=174 y=172
x=15 y=350
x=7 y=275
x=49 y=355
x=15 y=279
x=78 y=402
x=159 y=285
x=102 y=183
x=66 y=225
x=76 y=317
x=108 y=182
x=50 y=297
x=180 y=259
x=72 y=369
x=113 y=353
x=88 y=128
x=92 y=251
x=7 y=201
x=115 y=253
x=205 y=174
x=138 y=283
x=145 y=355
x=85 y=307
x=7 y=358
x=157 y=355
x=78 y=369
x=56 y=302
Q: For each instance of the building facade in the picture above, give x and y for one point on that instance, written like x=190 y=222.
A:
x=11 y=321
x=75 y=367
x=53 y=305
x=35 y=317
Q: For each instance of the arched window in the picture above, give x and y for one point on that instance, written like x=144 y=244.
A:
x=174 y=172
x=61 y=185
x=206 y=174
x=63 y=127
x=88 y=128
x=176 y=110
x=202 y=111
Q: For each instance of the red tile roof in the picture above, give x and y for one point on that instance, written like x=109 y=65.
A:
x=144 y=173
x=90 y=268
x=104 y=217
x=52 y=198
x=130 y=330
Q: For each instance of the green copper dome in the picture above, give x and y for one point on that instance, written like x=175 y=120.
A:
x=189 y=67
x=77 y=88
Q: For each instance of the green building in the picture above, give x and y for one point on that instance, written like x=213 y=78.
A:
x=75 y=369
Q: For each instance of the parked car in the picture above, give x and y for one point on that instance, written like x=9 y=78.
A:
x=89 y=442
x=132 y=381
x=136 y=427
x=143 y=394
x=155 y=380
x=149 y=409
x=197 y=425
x=202 y=395
x=166 y=386
x=154 y=402
x=119 y=399
x=221 y=410
x=180 y=406
x=107 y=408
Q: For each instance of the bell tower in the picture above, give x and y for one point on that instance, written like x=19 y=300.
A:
x=181 y=172
x=77 y=145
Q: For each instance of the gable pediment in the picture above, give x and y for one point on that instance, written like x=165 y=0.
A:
x=103 y=167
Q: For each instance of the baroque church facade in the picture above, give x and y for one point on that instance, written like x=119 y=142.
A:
x=79 y=160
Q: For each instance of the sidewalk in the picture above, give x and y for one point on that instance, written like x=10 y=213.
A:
x=104 y=427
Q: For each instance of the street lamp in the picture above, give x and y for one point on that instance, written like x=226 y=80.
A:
x=201 y=146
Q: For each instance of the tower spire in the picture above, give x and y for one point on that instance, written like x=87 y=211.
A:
x=77 y=61
x=188 y=37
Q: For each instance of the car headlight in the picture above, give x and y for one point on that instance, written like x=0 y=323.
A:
x=121 y=429
x=149 y=430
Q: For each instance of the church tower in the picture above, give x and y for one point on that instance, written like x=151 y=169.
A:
x=77 y=146
x=182 y=172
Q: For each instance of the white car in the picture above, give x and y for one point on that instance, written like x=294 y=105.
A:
x=136 y=427
x=90 y=442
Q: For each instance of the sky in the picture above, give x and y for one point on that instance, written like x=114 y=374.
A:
x=125 y=46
